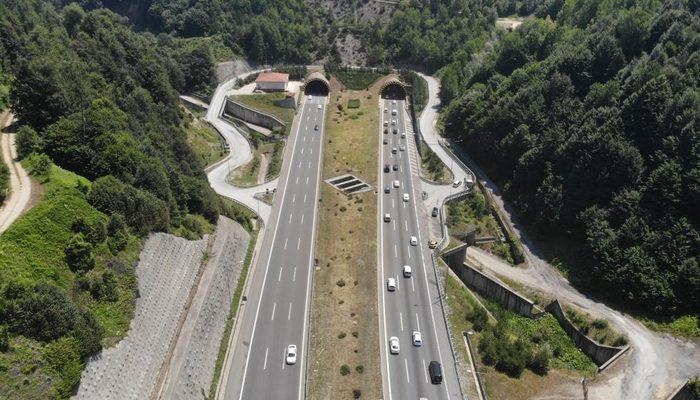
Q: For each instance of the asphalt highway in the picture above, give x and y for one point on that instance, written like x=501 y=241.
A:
x=414 y=305
x=286 y=261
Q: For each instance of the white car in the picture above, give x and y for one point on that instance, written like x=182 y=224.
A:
x=396 y=183
x=403 y=135
x=405 y=197
x=414 y=241
x=387 y=217
x=393 y=102
x=391 y=284
x=310 y=97
x=386 y=123
x=319 y=107
x=417 y=338
x=406 y=271
x=393 y=122
x=291 y=354
x=402 y=148
x=393 y=150
x=394 y=345
x=393 y=112
x=385 y=109
x=456 y=183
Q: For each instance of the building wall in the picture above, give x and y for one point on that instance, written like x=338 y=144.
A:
x=272 y=86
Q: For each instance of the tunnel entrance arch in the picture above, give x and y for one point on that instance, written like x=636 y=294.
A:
x=317 y=85
x=393 y=89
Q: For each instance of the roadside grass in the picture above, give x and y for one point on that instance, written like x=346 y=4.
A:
x=247 y=175
x=265 y=102
x=687 y=326
x=597 y=329
x=344 y=322
x=432 y=166
x=204 y=140
x=32 y=251
x=223 y=345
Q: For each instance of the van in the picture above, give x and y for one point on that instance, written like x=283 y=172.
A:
x=435 y=371
x=391 y=284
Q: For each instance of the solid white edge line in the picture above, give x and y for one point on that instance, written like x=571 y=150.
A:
x=269 y=258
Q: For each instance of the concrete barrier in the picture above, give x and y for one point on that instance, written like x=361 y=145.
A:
x=682 y=393
x=602 y=355
x=252 y=116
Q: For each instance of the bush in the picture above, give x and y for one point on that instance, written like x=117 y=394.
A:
x=356 y=393
x=341 y=335
x=354 y=103
x=539 y=363
x=4 y=339
x=39 y=166
x=79 y=254
x=340 y=283
x=344 y=369
x=479 y=318
x=27 y=141
x=360 y=369
x=42 y=312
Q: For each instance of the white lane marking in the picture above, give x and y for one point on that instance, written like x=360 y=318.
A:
x=265 y=363
x=297 y=180
x=307 y=180
x=302 y=219
x=380 y=285
x=294 y=198
x=294 y=275
x=290 y=218
x=413 y=284
x=401 y=320
x=394 y=221
x=404 y=204
x=289 y=313
x=305 y=200
x=279 y=277
x=298 y=242
x=409 y=250
x=405 y=361
x=285 y=243
x=274 y=307
x=405 y=224
x=309 y=165
x=396 y=251
x=304 y=140
x=392 y=203
x=425 y=372
x=311 y=151
x=300 y=161
x=302 y=152
x=267 y=268
x=418 y=324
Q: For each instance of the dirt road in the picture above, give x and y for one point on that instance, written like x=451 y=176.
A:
x=20 y=185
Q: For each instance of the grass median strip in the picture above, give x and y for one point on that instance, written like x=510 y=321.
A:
x=344 y=347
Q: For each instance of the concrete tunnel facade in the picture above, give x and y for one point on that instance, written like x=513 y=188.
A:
x=392 y=88
x=316 y=84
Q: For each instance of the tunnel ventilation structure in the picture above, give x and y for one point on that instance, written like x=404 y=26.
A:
x=393 y=89
x=316 y=84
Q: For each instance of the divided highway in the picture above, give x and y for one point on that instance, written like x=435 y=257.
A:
x=414 y=304
x=282 y=292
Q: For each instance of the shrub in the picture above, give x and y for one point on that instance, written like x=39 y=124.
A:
x=340 y=283
x=341 y=335
x=539 y=362
x=479 y=318
x=27 y=141
x=42 y=312
x=356 y=334
x=39 y=166
x=600 y=323
x=360 y=369
x=344 y=369
x=4 y=339
x=79 y=254
x=356 y=393
x=354 y=103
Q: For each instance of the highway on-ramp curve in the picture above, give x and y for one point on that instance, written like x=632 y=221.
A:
x=279 y=303
x=414 y=305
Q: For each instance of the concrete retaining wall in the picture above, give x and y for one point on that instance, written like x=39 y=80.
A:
x=493 y=289
x=511 y=238
x=252 y=116
x=602 y=355
x=682 y=393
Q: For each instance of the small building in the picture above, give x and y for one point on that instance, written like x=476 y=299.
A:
x=272 y=82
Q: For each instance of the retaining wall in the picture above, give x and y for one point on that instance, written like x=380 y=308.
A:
x=491 y=288
x=682 y=393
x=518 y=253
x=602 y=355
x=252 y=116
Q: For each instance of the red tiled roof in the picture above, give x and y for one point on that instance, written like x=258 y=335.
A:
x=274 y=77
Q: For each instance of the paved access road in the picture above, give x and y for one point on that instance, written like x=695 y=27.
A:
x=277 y=308
x=414 y=305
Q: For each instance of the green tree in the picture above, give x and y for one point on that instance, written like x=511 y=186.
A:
x=79 y=255
x=27 y=141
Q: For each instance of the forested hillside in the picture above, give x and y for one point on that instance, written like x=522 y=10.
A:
x=267 y=31
x=589 y=120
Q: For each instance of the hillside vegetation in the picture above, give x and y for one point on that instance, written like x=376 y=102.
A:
x=67 y=287
x=589 y=122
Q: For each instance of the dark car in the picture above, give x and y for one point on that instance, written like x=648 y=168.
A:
x=395 y=131
x=435 y=212
x=386 y=131
x=396 y=167
x=435 y=370
x=386 y=167
x=387 y=189
x=386 y=141
x=316 y=127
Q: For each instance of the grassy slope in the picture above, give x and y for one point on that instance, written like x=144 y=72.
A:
x=32 y=250
x=204 y=141
x=266 y=103
x=357 y=80
x=346 y=256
